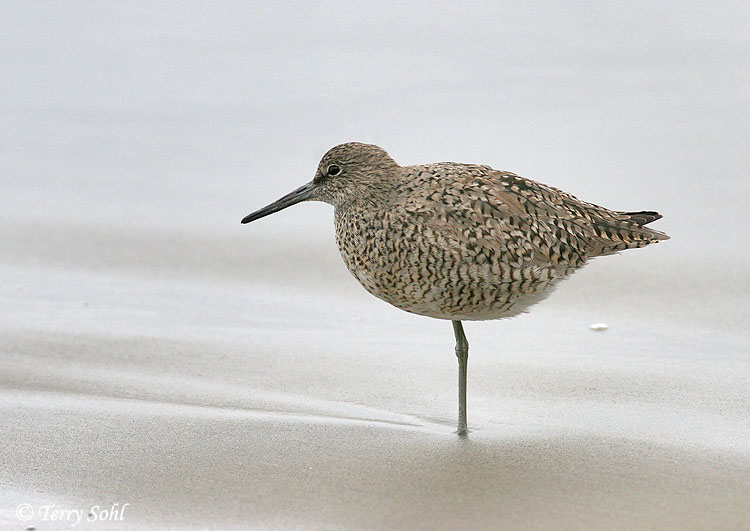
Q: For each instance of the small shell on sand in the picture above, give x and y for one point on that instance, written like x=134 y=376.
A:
x=599 y=327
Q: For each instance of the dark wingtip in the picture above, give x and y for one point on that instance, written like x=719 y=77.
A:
x=644 y=217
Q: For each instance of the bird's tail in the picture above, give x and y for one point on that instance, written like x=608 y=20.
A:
x=644 y=217
x=627 y=231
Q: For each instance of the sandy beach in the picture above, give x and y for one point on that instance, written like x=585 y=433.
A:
x=164 y=367
x=204 y=398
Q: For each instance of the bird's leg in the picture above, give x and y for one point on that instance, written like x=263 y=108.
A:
x=462 y=352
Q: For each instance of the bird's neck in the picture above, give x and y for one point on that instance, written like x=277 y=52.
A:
x=368 y=195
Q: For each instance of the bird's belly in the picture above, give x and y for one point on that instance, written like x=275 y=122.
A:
x=438 y=278
x=497 y=309
x=449 y=294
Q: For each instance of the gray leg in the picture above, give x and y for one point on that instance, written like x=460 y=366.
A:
x=462 y=352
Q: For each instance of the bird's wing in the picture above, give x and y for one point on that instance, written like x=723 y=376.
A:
x=499 y=212
x=598 y=230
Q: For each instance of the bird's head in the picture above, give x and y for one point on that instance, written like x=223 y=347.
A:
x=346 y=173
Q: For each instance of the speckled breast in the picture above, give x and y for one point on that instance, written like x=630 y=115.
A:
x=419 y=270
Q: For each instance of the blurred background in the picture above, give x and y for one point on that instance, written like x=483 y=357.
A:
x=134 y=136
x=189 y=113
x=180 y=118
x=137 y=135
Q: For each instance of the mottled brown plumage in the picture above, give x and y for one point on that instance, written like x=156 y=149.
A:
x=459 y=241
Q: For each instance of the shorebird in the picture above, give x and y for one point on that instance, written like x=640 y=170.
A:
x=459 y=241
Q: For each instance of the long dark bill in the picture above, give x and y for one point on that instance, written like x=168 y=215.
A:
x=292 y=198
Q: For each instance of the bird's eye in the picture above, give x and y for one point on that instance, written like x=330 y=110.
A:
x=333 y=170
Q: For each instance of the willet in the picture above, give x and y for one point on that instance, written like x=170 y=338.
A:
x=459 y=241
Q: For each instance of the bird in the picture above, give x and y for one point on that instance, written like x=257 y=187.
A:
x=459 y=242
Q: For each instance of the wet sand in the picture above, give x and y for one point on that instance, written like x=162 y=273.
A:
x=204 y=397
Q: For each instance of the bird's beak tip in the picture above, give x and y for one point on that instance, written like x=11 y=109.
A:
x=302 y=193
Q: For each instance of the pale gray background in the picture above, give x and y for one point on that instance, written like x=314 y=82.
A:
x=145 y=334
x=185 y=112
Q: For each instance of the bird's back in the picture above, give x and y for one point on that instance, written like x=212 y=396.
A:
x=502 y=209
